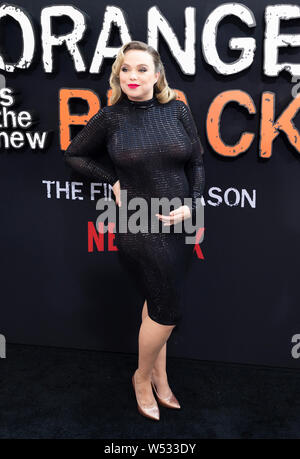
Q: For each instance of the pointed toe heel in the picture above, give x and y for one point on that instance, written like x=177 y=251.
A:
x=169 y=402
x=152 y=412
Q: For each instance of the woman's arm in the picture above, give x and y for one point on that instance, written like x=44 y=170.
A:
x=194 y=167
x=87 y=143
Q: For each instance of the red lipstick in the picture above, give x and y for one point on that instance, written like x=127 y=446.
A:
x=133 y=85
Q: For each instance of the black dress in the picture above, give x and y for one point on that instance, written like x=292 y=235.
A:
x=154 y=150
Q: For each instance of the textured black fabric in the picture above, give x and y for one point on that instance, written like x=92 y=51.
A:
x=155 y=152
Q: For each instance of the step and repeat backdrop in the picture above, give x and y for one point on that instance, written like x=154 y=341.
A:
x=237 y=65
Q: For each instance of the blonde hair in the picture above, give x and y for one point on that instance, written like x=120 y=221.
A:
x=161 y=89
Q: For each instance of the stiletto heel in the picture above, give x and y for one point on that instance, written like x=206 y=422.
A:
x=169 y=402
x=151 y=412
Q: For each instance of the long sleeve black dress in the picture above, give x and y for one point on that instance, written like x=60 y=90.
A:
x=155 y=152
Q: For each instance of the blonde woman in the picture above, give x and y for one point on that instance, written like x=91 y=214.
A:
x=153 y=151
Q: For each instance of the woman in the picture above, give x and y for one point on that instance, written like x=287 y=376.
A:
x=153 y=151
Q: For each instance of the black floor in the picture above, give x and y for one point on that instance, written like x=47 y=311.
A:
x=63 y=393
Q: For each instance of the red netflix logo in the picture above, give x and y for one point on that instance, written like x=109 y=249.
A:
x=197 y=247
x=98 y=238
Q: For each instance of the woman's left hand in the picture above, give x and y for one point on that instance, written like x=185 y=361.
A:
x=176 y=216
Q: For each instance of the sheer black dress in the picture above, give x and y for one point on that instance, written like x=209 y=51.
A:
x=155 y=152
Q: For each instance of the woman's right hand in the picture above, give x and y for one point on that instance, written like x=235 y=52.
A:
x=117 y=192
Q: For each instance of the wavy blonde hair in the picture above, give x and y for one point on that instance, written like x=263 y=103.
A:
x=161 y=89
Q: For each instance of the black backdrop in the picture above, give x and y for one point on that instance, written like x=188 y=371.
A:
x=242 y=299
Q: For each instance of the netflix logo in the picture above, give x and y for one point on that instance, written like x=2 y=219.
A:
x=101 y=240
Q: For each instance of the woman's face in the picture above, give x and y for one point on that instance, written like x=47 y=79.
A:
x=138 y=69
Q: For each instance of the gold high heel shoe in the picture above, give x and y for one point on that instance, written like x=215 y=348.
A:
x=168 y=402
x=152 y=412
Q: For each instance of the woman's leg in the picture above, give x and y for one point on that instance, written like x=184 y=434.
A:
x=159 y=371
x=159 y=367
x=152 y=337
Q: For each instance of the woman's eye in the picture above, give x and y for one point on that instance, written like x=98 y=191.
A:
x=142 y=70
